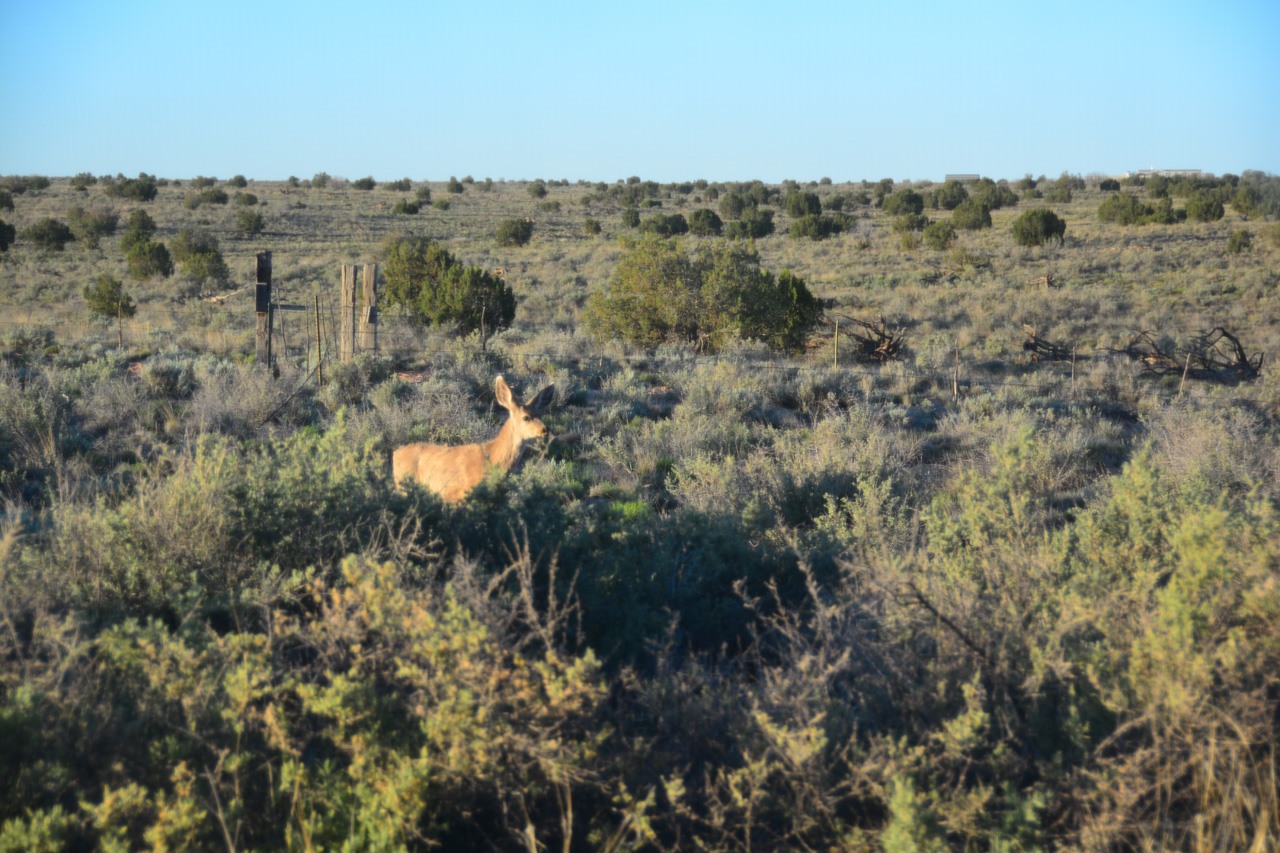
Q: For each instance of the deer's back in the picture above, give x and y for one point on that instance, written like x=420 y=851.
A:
x=450 y=472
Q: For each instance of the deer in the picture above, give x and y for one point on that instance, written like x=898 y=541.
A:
x=452 y=472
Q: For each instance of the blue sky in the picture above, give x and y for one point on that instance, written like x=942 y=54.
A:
x=664 y=90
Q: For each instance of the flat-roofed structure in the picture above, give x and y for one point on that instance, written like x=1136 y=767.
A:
x=962 y=177
x=1164 y=173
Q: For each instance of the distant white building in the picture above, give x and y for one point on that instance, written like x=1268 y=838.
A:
x=962 y=178
x=1164 y=173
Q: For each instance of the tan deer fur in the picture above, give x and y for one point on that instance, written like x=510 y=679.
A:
x=452 y=472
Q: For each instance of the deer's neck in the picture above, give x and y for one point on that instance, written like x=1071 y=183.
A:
x=504 y=450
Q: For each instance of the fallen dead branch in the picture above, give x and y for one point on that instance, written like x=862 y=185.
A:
x=873 y=342
x=1041 y=349
x=1215 y=355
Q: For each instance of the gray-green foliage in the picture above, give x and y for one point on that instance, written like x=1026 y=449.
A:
x=431 y=286
x=661 y=293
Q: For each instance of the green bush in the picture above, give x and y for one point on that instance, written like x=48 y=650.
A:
x=1239 y=241
x=550 y=206
x=48 y=234
x=514 y=232
x=910 y=222
x=200 y=256
x=704 y=222
x=971 y=215
x=249 y=222
x=939 y=235
x=798 y=204
x=139 y=228
x=366 y=183
x=752 y=225
x=591 y=227
x=401 y=186
x=6 y=200
x=320 y=180
x=1036 y=227
x=83 y=180
x=1203 y=206
x=404 y=207
x=142 y=188
x=148 y=259
x=238 y=182
x=834 y=202
x=200 y=182
x=7 y=235
x=108 y=300
x=90 y=226
x=538 y=188
x=658 y=294
x=441 y=204
x=950 y=195
x=1058 y=194
x=431 y=286
x=423 y=194
x=663 y=225
x=1109 y=185
x=244 y=200
x=819 y=227
x=454 y=186
x=993 y=195
x=904 y=202
x=1247 y=202
x=732 y=206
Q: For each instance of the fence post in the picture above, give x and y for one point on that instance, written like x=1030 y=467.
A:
x=262 y=306
x=319 y=352
x=369 y=314
x=347 y=314
x=1183 y=383
x=955 y=377
x=835 y=348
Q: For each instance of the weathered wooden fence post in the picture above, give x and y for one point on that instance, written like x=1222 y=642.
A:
x=262 y=305
x=347 y=315
x=369 y=314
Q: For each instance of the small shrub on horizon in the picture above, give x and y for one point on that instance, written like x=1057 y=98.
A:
x=249 y=222
x=49 y=234
x=366 y=183
x=514 y=232
x=1036 y=227
x=454 y=186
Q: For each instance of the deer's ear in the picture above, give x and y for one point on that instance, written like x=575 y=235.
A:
x=542 y=399
x=504 y=393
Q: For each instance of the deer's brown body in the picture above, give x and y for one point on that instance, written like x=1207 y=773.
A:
x=452 y=472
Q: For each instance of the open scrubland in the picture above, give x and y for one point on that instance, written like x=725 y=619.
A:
x=1015 y=587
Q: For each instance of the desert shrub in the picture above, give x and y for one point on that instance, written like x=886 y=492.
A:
x=431 y=286
x=7 y=235
x=971 y=215
x=454 y=186
x=1239 y=241
x=1109 y=185
x=244 y=199
x=591 y=227
x=910 y=222
x=423 y=194
x=441 y=204
x=835 y=202
x=401 y=186
x=141 y=188
x=904 y=202
x=6 y=200
x=658 y=293
x=48 y=234
x=107 y=299
x=993 y=195
x=405 y=207
x=1123 y=208
x=201 y=181
x=1036 y=227
x=249 y=222
x=200 y=256
x=882 y=188
x=238 y=182
x=704 y=222
x=213 y=195
x=798 y=204
x=1058 y=194
x=1026 y=183
x=537 y=188
x=148 y=259
x=950 y=195
x=90 y=226
x=550 y=206
x=320 y=180
x=514 y=232
x=939 y=235
x=83 y=180
x=1203 y=206
x=1247 y=202
x=366 y=183
x=753 y=224
x=664 y=225
x=139 y=228
x=1070 y=181
x=1158 y=186
x=732 y=205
